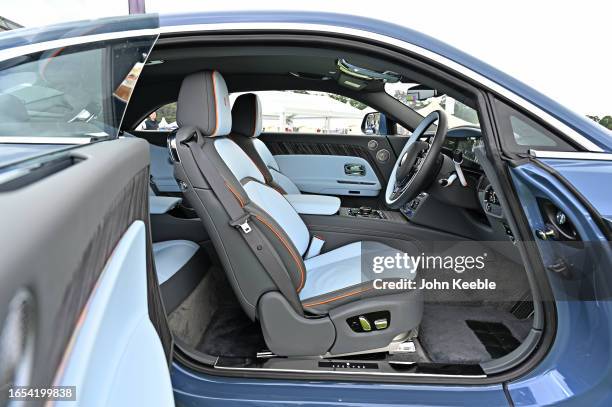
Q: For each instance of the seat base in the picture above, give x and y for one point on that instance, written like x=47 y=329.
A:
x=288 y=334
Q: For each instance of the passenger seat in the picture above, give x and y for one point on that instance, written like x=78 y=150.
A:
x=246 y=127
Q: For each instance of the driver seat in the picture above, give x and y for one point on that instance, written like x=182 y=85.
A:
x=332 y=306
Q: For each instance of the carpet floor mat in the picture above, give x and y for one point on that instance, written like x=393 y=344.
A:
x=447 y=337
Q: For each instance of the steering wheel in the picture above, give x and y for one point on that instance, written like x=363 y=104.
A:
x=417 y=163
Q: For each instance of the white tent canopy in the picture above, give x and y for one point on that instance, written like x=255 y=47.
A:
x=314 y=112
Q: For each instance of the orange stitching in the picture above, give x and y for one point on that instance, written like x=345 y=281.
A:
x=295 y=258
x=338 y=297
x=255 y=116
x=215 y=101
x=235 y=194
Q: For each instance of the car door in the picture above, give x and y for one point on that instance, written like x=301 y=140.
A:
x=79 y=300
x=567 y=209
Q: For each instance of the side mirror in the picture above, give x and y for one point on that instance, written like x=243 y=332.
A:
x=374 y=123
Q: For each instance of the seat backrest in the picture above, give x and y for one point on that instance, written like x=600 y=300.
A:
x=246 y=128
x=272 y=214
x=264 y=196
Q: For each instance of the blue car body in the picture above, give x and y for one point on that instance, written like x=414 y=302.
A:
x=578 y=366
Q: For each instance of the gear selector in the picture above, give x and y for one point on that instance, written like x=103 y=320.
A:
x=366 y=212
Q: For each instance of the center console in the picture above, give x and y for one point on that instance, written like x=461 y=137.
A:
x=363 y=212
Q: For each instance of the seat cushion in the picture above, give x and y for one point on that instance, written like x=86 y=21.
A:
x=171 y=255
x=346 y=274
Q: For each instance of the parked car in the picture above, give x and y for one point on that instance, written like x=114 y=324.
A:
x=216 y=264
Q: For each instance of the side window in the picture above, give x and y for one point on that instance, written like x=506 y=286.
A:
x=162 y=119
x=73 y=91
x=519 y=133
x=299 y=111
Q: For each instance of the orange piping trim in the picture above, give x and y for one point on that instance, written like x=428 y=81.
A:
x=312 y=304
x=235 y=194
x=215 y=101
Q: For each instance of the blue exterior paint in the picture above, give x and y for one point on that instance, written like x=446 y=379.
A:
x=578 y=367
x=196 y=389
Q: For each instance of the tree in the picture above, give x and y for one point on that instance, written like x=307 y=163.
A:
x=355 y=103
x=606 y=121
x=168 y=111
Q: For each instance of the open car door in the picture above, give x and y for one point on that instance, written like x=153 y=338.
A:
x=79 y=298
x=565 y=200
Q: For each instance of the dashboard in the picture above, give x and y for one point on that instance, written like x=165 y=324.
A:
x=464 y=139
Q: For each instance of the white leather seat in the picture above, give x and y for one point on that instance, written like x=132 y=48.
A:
x=170 y=256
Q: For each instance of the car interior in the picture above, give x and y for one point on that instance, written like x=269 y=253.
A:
x=263 y=234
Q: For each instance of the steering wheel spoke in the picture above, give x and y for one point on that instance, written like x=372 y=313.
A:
x=416 y=161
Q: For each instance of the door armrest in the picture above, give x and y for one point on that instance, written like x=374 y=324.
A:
x=314 y=204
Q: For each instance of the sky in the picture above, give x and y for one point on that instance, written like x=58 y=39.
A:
x=562 y=48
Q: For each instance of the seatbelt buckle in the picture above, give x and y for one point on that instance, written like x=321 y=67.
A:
x=242 y=223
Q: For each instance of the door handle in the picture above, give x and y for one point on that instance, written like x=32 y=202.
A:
x=354 y=169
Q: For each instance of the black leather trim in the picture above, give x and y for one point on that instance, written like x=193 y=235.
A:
x=130 y=205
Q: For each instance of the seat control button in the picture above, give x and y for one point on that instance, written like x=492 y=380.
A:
x=381 y=323
x=365 y=324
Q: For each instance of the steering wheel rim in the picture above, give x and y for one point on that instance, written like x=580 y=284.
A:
x=415 y=166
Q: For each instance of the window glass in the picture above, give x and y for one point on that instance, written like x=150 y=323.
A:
x=76 y=91
x=301 y=111
x=526 y=135
x=425 y=101
x=519 y=133
x=162 y=119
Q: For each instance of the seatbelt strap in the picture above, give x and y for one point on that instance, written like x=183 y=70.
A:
x=260 y=246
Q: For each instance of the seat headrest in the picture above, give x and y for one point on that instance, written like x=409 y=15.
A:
x=203 y=102
x=246 y=115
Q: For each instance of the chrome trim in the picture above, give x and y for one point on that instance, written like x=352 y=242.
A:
x=13 y=174
x=571 y=155
x=171 y=143
x=482 y=80
x=46 y=140
x=356 y=372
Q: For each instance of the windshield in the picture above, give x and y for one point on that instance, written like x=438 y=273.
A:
x=425 y=102
x=76 y=91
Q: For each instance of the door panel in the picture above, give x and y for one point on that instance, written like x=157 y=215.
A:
x=62 y=228
x=375 y=150
x=162 y=171
x=117 y=358
x=330 y=174
x=579 y=274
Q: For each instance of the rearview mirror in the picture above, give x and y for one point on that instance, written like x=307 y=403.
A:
x=374 y=123
x=420 y=92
